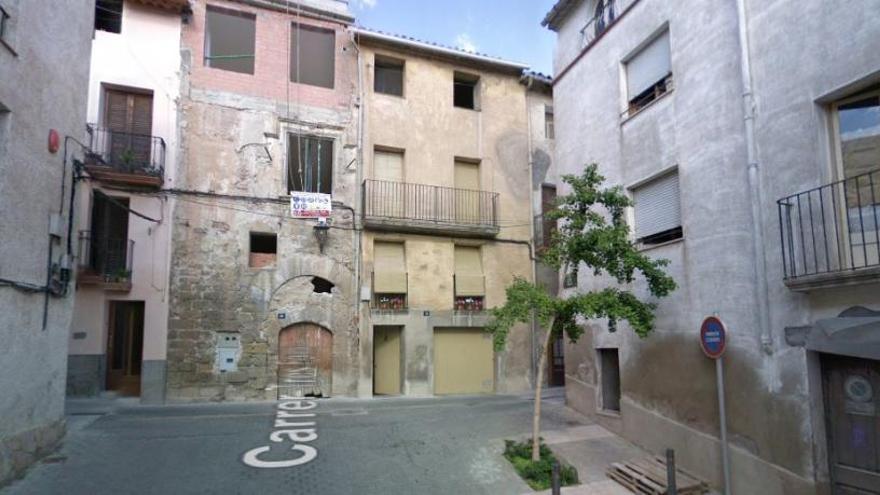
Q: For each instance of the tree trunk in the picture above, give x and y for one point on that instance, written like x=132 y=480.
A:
x=539 y=382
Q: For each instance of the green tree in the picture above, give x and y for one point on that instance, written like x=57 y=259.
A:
x=592 y=233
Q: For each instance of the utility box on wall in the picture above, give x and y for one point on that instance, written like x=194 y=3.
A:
x=228 y=347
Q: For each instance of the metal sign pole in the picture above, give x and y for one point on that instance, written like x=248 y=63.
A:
x=725 y=456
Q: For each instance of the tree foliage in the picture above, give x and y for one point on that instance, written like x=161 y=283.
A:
x=592 y=233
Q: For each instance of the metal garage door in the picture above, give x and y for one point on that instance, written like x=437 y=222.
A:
x=463 y=361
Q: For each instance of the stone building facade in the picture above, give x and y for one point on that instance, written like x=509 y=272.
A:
x=447 y=217
x=123 y=229
x=42 y=90
x=254 y=293
x=766 y=210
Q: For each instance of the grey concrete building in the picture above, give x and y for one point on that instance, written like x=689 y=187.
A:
x=44 y=55
x=747 y=134
x=263 y=289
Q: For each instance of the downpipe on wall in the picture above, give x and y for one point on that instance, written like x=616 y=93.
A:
x=760 y=259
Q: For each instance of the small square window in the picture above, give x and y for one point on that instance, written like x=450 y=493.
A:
x=230 y=37
x=309 y=164
x=465 y=90
x=108 y=16
x=388 y=76
x=263 y=250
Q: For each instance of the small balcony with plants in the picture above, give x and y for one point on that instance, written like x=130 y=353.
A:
x=125 y=158
x=389 y=292
x=105 y=262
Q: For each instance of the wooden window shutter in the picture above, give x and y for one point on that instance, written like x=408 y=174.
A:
x=116 y=114
x=469 y=279
x=389 y=269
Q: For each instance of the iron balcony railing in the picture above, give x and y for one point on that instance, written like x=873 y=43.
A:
x=421 y=206
x=606 y=13
x=831 y=229
x=105 y=257
x=127 y=152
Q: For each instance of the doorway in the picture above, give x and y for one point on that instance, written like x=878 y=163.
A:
x=386 y=361
x=556 y=362
x=125 y=344
x=852 y=415
x=128 y=118
x=305 y=361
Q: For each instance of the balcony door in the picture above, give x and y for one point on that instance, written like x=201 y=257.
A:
x=128 y=123
x=857 y=123
x=125 y=343
x=390 y=198
x=467 y=192
x=108 y=239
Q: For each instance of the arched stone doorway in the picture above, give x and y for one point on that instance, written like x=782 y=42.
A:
x=305 y=361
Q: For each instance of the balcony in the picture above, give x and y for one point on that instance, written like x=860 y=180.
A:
x=606 y=14
x=425 y=209
x=105 y=262
x=830 y=234
x=124 y=158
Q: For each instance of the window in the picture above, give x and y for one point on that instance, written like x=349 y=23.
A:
x=108 y=252
x=389 y=276
x=549 y=127
x=309 y=164
x=108 y=16
x=465 y=90
x=263 y=250
x=470 y=284
x=657 y=210
x=312 y=55
x=229 y=40
x=388 y=77
x=609 y=368
x=648 y=73
x=128 y=123
x=322 y=286
x=548 y=205
x=570 y=280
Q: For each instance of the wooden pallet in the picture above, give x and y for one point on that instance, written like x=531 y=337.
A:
x=647 y=476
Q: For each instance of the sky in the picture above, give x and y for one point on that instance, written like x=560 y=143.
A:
x=509 y=29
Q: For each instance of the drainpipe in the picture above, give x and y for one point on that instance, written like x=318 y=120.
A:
x=359 y=173
x=529 y=81
x=760 y=260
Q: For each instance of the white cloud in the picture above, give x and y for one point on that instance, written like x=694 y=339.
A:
x=365 y=4
x=464 y=42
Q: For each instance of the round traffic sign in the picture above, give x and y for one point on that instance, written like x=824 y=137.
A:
x=713 y=337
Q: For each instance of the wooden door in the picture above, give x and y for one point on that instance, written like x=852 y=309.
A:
x=556 y=362
x=305 y=361
x=125 y=343
x=852 y=411
x=386 y=361
x=128 y=118
x=463 y=361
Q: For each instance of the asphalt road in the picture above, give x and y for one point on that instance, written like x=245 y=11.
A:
x=379 y=446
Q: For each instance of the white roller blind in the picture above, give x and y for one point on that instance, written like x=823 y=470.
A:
x=388 y=165
x=389 y=268
x=657 y=206
x=648 y=66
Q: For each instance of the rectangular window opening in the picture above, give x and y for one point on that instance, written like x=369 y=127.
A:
x=263 y=250
x=388 y=78
x=108 y=16
x=549 y=127
x=470 y=284
x=230 y=38
x=389 y=276
x=657 y=207
x=309 y=164
x=312 y=55
x=465 y=88
x=609 y=363
x=648 y=73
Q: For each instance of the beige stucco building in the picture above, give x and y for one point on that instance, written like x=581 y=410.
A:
x=445 y=195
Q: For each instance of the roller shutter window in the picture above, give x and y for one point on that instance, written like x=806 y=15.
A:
x=657 y=207
x=230 y=39
x=648 y=70
x=469 y=279
x=312 y=55
x=389 y=268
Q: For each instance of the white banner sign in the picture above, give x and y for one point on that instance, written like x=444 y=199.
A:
x=309 y=205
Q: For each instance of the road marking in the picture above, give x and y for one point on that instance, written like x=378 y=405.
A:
x=297 y=427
